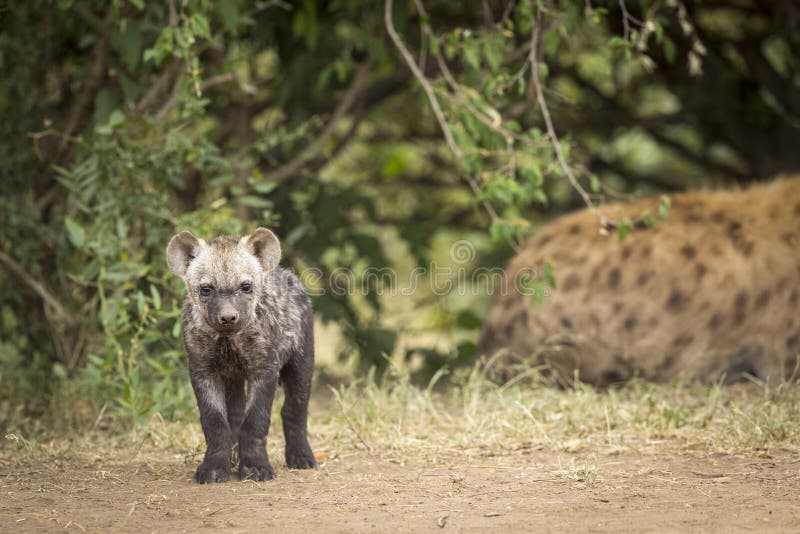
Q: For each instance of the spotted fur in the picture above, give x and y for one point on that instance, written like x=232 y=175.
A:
x=236 y=364
x=709 y=293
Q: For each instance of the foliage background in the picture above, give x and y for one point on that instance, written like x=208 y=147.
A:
x=125 y=121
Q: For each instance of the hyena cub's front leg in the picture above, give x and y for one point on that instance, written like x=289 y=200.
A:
x=210 y=394
x=253 y=460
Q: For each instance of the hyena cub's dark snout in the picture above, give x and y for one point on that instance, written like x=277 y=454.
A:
x=247 y=324
x=228 y=314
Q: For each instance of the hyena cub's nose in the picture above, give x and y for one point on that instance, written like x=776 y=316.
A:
x=229 y=317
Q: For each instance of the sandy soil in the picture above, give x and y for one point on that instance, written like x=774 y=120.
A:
x=531 y=491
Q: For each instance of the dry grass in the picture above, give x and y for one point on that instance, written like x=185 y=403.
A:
x=394 y=419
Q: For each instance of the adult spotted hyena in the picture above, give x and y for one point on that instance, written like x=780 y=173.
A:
x=711 y=292
x=247 y=325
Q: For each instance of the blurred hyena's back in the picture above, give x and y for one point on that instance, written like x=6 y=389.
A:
x=711 y=291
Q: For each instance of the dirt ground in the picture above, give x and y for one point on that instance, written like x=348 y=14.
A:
x=522 y=492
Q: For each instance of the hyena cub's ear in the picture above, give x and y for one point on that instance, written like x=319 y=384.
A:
x=182 y=249
x=265 y=246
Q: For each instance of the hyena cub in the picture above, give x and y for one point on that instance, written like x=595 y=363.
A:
x=247 y=326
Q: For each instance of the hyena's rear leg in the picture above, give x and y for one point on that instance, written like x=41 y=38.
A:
x=296 y=378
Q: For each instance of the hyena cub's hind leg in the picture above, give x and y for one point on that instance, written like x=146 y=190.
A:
x=296 y=379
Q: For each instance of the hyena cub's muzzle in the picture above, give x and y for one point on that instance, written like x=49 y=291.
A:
x=226 y=313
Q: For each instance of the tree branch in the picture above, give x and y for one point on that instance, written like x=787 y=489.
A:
x=37 y=286
x=782 y=89
x=94 y=78
x=437 y=110
x=551 y=131
x=346 y=103
x=159 y=85
x=290 y=184
x=614 y=107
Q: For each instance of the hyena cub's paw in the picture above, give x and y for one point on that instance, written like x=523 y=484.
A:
x=213 y=471
x=300 y=460
x=257 y=473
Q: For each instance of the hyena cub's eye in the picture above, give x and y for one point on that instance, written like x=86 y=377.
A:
x=206 y=290
x=246 y=287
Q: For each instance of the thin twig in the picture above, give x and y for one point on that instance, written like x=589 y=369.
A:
x=159 y=85
x=217 y=80
x=174 y=96
x=37 y=286
x=426 y=85
x=290 y=184
x=347 y=102
x=205 y=84
x=437 y=110
x=92 y=82
x=551 y=131
x=508 y=10
x=627 y=18
x=494 y=122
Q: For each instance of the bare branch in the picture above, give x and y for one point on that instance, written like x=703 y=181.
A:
x=424 y=82
x=627 y=18
x=551 y=131
x=437 y=110
x=174 y=97
x=159 y=85
x=347 y=102
x=219 y=79
x=93 y=81
x=37 y=286
x=291 y=183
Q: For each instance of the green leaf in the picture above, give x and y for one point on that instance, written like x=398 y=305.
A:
x=128 y=43
x=663 y=208
x=229 y=13
x=499 y=231
x=472 y=54
x=200 y=25
x=156 y=296
x=295 y=235
x=140 y=303
x=433 y=45
x=468 y=319
x=253 y=201
x=594 y=183
x=264 y=187
x=623 y=229
x=492 y=57
x=550 y=43
x=648 y=219
x=540 y=196
x=116 y=118
x=543 y=71
x=549 y=275
x=104 y=103
x=669 y=50
x=59 y=371
x=75 y=232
